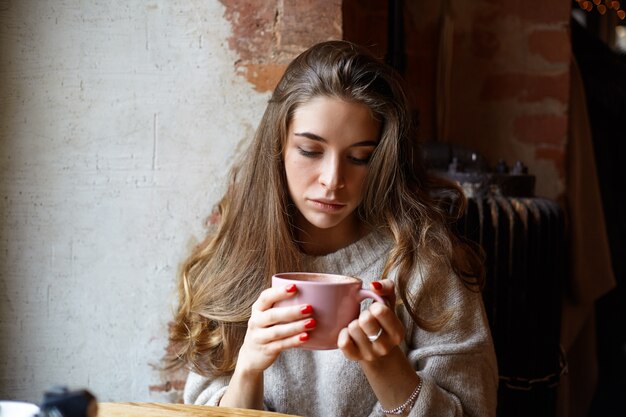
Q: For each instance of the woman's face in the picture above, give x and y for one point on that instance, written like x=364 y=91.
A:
x=329 y=145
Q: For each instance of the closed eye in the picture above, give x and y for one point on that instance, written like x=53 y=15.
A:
x=360 y=161
x=308 y=154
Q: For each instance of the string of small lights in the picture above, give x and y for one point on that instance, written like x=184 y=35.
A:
x=603 y=7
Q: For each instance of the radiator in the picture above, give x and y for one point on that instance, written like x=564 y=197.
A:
x=524 y=247
x=523 y=240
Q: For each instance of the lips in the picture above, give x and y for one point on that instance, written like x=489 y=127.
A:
x=329 y=205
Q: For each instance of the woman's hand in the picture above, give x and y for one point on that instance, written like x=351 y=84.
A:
x=354 y=341
x=270 y=331
x=273 y=329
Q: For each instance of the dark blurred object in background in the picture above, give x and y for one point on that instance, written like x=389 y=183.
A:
x=604 y=76
x=61 y=402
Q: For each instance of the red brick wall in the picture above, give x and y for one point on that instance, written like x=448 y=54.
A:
x=509 y=80
x=267 y=35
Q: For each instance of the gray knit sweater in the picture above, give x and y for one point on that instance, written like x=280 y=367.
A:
x=457 y=364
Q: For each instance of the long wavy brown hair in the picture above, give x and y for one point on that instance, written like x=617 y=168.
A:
x=254 y=237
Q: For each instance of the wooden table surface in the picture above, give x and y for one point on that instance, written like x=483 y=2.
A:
x=177 y=410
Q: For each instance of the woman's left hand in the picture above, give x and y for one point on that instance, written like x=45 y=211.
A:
x=358 y=341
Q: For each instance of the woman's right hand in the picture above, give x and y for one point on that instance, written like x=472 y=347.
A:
x=270 y=331
x=273 y=329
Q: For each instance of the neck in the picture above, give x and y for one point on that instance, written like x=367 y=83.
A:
x=316 y=241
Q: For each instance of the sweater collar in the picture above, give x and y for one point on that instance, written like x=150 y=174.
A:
x=354 y=258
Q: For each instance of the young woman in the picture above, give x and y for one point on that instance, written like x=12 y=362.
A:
x=331 y=183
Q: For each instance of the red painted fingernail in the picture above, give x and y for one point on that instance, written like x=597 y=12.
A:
x=377 y=285
x=291 y=288
x=309 y=324
x=307 y=309
x=304 y=337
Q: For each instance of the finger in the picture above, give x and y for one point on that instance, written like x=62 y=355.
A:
x=347 y=346
x=272 y=295
x=360 y=340
x=275 y=347
x=385 y=288
x=371 y=350
x=387 y=319
x=280 y=315
x=284 y=332
x=370 y=325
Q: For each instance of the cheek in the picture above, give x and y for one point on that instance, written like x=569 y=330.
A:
x=298 y=171
x=289 y=175
x=297 y=175
x=357 y=181
x=289 y=167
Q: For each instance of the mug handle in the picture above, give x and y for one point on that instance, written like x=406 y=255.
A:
x=363 y=294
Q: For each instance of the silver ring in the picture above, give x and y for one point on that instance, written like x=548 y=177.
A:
x=376 y=336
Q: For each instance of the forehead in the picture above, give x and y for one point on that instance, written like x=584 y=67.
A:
x=331 y=115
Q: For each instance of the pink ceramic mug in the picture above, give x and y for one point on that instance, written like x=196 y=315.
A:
x=336 y=301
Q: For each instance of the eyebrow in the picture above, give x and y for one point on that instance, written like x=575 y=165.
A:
x=318 y=138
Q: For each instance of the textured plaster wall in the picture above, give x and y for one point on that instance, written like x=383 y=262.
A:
x=118 y=121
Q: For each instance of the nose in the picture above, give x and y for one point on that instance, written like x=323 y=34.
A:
x=331 y=175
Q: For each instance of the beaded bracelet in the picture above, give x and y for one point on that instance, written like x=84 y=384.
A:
x=408 y=403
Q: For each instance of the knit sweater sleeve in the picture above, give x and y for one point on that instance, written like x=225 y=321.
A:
x=200 y=390
x=457 y=363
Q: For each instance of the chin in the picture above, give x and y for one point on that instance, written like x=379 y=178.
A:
x=324 y=225
x=324 y=222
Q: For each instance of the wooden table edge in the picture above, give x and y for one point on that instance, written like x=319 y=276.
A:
x=154 y=409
